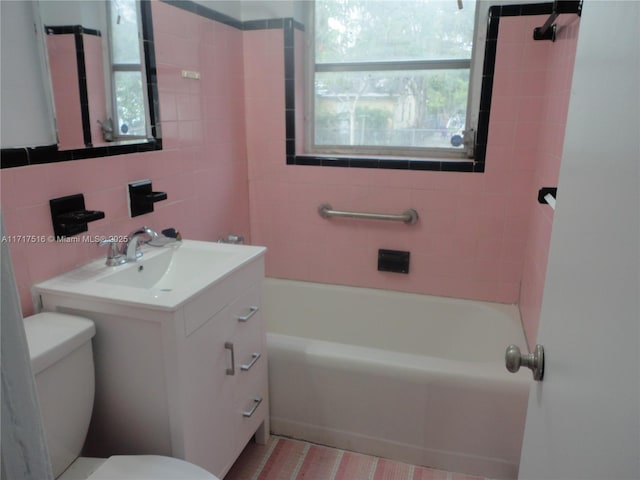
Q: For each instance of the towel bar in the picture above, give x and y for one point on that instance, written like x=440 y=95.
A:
x=409 y=216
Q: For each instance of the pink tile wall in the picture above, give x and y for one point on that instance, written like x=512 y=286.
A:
x=549 y=105
x=474 y=229
x=96 y=92
x=480 y=236
x=468 y=243
x=63 y=63
x=202 y=167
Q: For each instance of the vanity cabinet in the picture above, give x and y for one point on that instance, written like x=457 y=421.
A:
x=223 y=376
x=189 y=382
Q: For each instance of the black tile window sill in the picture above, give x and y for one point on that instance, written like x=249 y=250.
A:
x=443 y=165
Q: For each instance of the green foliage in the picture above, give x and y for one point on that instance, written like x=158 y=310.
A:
x=375 y=117
x=130 y=103
x=447 y=92
x=127 y=85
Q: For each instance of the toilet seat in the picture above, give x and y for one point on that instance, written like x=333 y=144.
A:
x=152 y=467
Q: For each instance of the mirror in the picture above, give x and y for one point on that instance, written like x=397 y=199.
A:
x=100 y=63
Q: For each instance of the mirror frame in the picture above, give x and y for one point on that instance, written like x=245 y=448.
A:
x=23 y=156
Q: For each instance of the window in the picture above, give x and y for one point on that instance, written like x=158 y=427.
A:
x=392 y=78
x=128 y=91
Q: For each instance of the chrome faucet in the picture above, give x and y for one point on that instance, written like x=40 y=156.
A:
x=136 y=238
x=130 y=251
x=115 y=256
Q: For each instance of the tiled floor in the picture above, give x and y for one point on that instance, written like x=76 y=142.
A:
x=287 y=459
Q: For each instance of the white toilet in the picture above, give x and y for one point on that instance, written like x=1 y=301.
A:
x=62 y=362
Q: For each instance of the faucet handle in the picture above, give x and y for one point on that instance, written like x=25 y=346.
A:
x=114 y=257
x=112 y=242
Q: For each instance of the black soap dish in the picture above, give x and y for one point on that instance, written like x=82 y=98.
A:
x=142 y=197
x=70 y=217
x=396 y=261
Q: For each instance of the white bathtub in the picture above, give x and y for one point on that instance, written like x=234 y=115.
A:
x=410 y=377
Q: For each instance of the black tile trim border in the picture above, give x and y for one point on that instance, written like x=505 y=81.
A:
x=77 y=31
x=201 y=10
x=84 y=91
x=148 y=45
x=289 y=88
x=288 y=25
x=385 y=163
x=24 y=156
x=14 y=157
x=66 y=29
x=36 y=155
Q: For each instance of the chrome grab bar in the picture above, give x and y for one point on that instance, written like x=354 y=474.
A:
x=246 y=366
x=409 y=216
x=248 y=413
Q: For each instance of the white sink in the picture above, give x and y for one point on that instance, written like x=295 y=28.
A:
x=171 y=267
x=164 y=277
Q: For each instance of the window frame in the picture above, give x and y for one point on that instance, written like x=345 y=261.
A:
x=112 y=68
x=475 y=65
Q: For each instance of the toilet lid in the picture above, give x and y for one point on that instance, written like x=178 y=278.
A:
x=151 y=467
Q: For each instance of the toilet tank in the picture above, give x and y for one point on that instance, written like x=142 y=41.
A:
x=62 y=362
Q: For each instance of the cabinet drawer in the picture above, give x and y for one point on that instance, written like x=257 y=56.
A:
x=249 y=336
x=216 y=297
x=246 y=308
x=249 y=382
x=252 y=408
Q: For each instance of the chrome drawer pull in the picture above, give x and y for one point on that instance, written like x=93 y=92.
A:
x=254 y=359
x=252 y=312
x=252 y=410
x=232 y=370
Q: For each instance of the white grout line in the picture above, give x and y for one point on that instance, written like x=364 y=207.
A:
x=411 y=473
x=374 y=466
x=301 y=460
x=336 y=465
x=265 y=459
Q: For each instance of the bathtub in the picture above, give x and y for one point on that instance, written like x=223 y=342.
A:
x=409 y=377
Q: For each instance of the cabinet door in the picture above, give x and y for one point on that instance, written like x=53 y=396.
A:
x=208 y=394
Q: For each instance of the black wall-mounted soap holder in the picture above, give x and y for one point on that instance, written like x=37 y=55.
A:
x=142 y=197
x=393 y=261
x=70 y=217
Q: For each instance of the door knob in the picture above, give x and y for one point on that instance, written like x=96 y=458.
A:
x=535 y=361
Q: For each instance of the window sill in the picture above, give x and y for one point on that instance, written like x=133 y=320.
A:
x=390 y=163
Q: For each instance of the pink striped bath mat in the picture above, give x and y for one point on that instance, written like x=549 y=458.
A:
x=286 y=459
